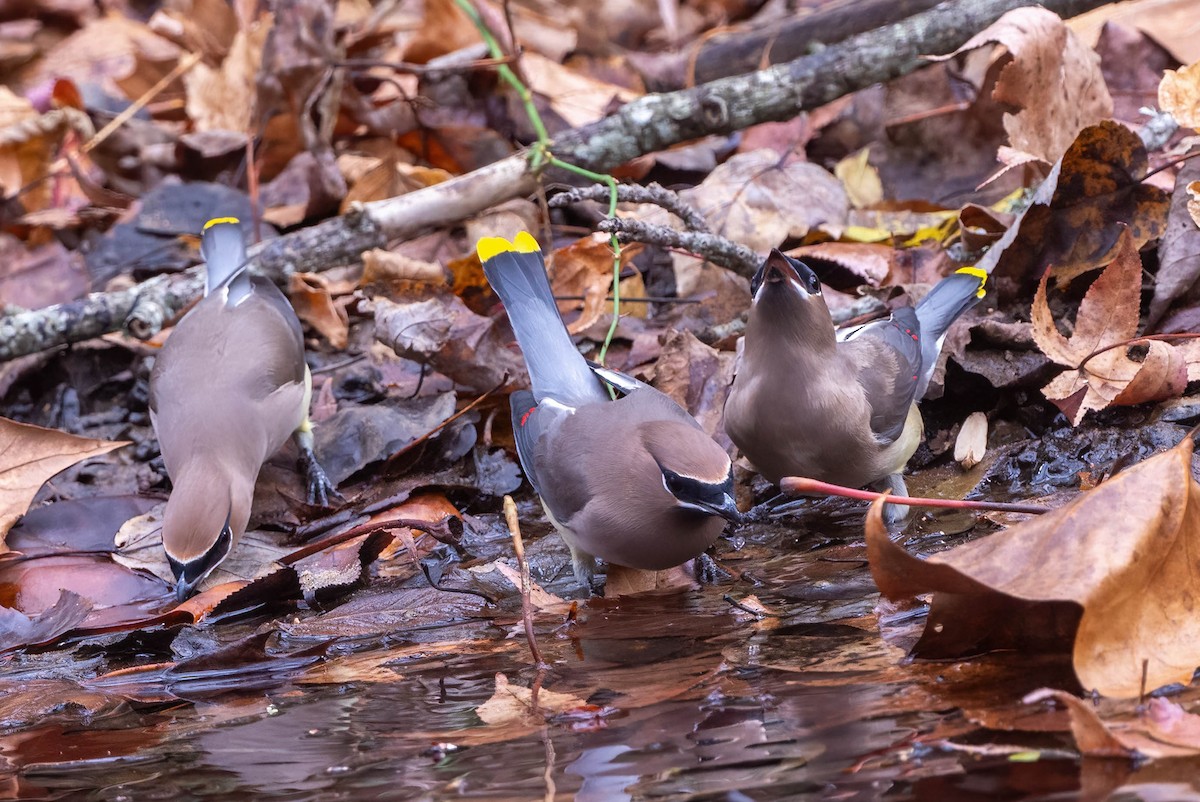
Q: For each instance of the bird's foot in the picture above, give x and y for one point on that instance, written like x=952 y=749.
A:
x=319 y=489
x=707 y=571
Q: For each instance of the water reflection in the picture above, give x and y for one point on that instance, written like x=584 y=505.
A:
x=680 y=696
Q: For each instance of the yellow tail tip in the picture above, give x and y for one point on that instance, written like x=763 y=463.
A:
x=216 y=221
x=491 y=247
x=979 y=273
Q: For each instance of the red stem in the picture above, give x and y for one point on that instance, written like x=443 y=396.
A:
x=798 y=485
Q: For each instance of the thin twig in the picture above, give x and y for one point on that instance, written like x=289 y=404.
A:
x=104 y=133
x=514 y=529
x=479 y=400
x=799 y=485
x=1137 y=340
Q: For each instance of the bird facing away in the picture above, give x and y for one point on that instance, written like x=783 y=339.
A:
x=635 y=481
x=227 y=389
x=836 y=407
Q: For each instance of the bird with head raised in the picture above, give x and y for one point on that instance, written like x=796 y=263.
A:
x=838 y=407
x=634 y=481
x=228 y=388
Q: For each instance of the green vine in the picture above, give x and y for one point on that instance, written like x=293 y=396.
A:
x=541 y=157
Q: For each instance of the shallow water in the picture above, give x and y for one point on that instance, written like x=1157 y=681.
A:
x=678 y=695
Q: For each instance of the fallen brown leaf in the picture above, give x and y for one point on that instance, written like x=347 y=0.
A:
x=585 y=268
x=311 y=296
x=1109 y=576
x=866 y=262
x=1163 y=729
x=515 y=704
x=1179 y=94
x=1108 y=315
x=1075 y=218
x=620 y=580
x=29 y=455
x=759 y=199
x=1053 y=78
x=223 y=97
x=469 y=348
x=578 y=99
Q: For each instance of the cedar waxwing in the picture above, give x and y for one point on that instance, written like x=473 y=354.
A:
x=227 y=389
x=838 y=407
x=634 y=481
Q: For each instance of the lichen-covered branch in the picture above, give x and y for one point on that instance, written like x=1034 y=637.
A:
x=713 y=247
x=636 y=193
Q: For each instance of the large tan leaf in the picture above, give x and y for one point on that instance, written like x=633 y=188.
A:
x=1110 y=576
x=760 y=199
x=29 y=455
x=577 y=98
x=223 y=97
x=1054 y=80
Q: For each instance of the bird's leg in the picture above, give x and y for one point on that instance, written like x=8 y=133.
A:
x=894 y=513
x=584 y=566
x=318 y=487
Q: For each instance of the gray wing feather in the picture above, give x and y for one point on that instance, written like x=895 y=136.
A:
x=940 y=307
x=888 y=356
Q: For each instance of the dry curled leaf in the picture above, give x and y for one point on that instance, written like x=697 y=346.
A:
x=1109 y=576
x=582 y=276
x=311 y=296
x=1179 y=94
x=1102 y=375
x=1053 y=78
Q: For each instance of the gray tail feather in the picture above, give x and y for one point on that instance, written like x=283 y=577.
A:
x=940 y=307
x=223 y=247
x=556 y=369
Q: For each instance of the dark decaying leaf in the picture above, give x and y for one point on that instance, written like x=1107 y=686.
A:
x=443 y=333
x=1076 y=216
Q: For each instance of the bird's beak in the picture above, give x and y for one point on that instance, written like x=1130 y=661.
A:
x=779 y=271
x=779 y=268
x=183 y=589
x=727 y=509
